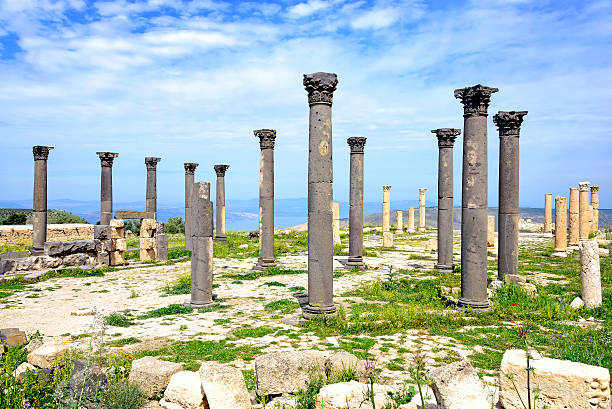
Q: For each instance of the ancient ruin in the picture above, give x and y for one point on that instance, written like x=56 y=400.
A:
x=106 y=186
x=267 y=138
x=387 y=237
x=151 y=198
x=422 y=208
x=355 y=258
x=574 y=217
x=190 y=169
x=560 y=224
x=547 y=213
x=220 y=204
x=584 y=211
x=39 y=206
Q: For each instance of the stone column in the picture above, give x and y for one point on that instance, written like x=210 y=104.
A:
x=590 y=274
x=490 y=231
x=151 y=163
x=422 y=209
x=583 y=207
x=189 y=175
x=547 y=213
x=106 y=186
x=595 y=205
x=355 y=259
x=320 y=87
x=560 y=224
x=474 y=196
x=410 y=220
x=399 y=221
x=202 y=243
x=220 y=232
x=39 y=205
x=267 y=138
x=336 y=222
x=446 y=140
x=386 y=216
x=509 y=126
x=574 y=218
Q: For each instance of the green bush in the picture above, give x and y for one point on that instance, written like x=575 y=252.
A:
x=175 y=225
x=16 y=219
x=123 y=395
x=132 y=226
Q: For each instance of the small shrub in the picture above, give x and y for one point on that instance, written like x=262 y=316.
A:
x=283 y=306
x=116 y=319
x=123 y=395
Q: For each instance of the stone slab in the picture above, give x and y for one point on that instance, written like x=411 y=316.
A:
x=14 y=254
x=131 y=214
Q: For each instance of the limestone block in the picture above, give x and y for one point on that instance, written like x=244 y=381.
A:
x=562 y=384
x=119 y=245
x=224 y=386
x=116 y=258
x=282 y=402
x=75 y=260
x=344 y=360
x=44 y=356
x=7 y=266
x=350 y=395
x=147 y=228
x=514 y=278
x=604 y=252
x=153 y=375
x=103 y=258
x=147 y=243
x=387 y=239
x=577 y=303
x=20 y=371
x=286 y=371
x=117 y=223
x=102 y=232
x=148 y=255
x=117 y=232
x=590 y=273
x=185 y=389
x=529 y=288
x=12 y=337
x=457 y=386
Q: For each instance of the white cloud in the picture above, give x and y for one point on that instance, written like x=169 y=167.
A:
x=306 y=9
x=378 y=18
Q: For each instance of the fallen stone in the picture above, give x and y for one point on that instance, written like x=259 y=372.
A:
x=224 y=386
x=34 y=344
x=286 y=371
x=14 y=254
x=457 y=386
x=243 y=246
x=12 y=337
x=63 y=248
x=351 y=395
x=152 y=375
x=343 y=360
x=562 y=384
x=35 y=275
x=20 y=371
x=87 y=378
x=514 y=278
x=561 y=254
x=577 y=303
x=7 y=266
x=45 y=355
x=185 y=389
x=529 y=288
x=282 y=402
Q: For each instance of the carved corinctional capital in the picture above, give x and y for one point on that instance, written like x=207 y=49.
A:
x=584 y=186
x=151 y=162
x=107 y=158
x=475 y=99
x=509 y=123
x=446 y=136
x=221 y=169
x=320 y=87
x=356 y=143
x=41 y=152
x=594 y=189
x=422 y=190
x=190 y=167
x=266 y=138
x=386 y=188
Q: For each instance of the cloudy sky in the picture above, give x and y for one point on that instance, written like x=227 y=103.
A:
x=189 y=80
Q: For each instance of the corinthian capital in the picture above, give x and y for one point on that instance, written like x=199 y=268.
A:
x=151 y=162
x=475 y=99
x=221 y=169
x=584 y=186
x=190 y=167
x=266 y=138
x=320 y=87
x=41 y=152
x=356 y=143
x=446 y=136
x=107 y=158
x=509 y=123
x=386 y=188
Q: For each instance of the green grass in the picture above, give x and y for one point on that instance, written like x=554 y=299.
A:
x=172 y=309
x=256 y=332
x=283 y=306
x=117 y=319
x=182 y=285
x=275 y=284
x=123 y=341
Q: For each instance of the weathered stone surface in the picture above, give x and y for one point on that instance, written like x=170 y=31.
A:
x=148 y=255
x=577 y=303
x=282 y=402
x=590 y=273
x=387 y=239
x=153 y=375
x=44 y=356
x=63 y=248
x=490 y=231
x=12 y=337
x=130 y=214
x=74 y=260
x=185 y=389
x=87 y=378
x=161 y=247
x=102 y=232
x=20 y=371
x=514 y=278
x=7 y=266
x=351 y=395
x=147 y=228
x=14 y=254
x=55 y=232
x=117 y=232
x=562 y=384
x=153 y=404
x=147 y=243
x=341 y=360
x=224 y=386
x=116 y=258
x=119 y=245
x=457 y=386
x=287 y=371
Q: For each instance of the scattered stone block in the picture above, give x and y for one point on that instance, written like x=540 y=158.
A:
x=12 y=337
x=45 y=355
x=344 y=360
x=350 y=395
x=153 y=375
x=577 y=303
x=116 y=258
x=74 y=260
x=185 y=390
x=387 y=239
x=224 y=386
x=529 y=288
x=147 y=243
x=282 y=402
x=457 y=386
x=20 y=371
x=514 y=278
x=33 y=276
x=604 y=252
x=286 y=371
x=64 y=248
x=7 y=266
x=562 y=384
x=35 y=343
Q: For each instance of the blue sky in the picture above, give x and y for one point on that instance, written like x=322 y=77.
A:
x=189 y=80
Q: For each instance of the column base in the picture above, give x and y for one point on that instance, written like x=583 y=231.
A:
x=189 y=304
x=480 y=306
x=309 y=311
x=263 y=264
x=37 y=252
x=353 y=262
x=220 y=239
x=447 y=268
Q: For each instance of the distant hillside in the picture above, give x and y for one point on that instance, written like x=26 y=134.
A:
x=53 y=216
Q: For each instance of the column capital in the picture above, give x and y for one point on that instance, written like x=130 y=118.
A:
x=509 y=122
x=475 y=99
x=446 y=136
x=584 y=186
x=386 y=188
x=107 y=158
x=151 y=162
x=548 y=194
x=190 y=167
x=41 y=152
x=357 y=143
x=221 y=169
x=267 y=137
x=594 y=189
x=422 y=190
x=320 y=87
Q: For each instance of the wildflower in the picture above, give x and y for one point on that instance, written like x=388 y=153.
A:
x=370 y=368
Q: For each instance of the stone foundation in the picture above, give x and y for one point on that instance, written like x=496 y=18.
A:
x=55 y=232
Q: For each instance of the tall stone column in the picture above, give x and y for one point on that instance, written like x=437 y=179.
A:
x=355 y=259
x=399 y=221
x=446 y=140
x=386 y=217
x=106 y=186
x=39 y=205
x=422 y=208
x=583 y=207
x=151 y=208
x=509 y=127
x=590 y=273
x=410 y=227
x=220 y=232
x=474 y=196
x=547 y=213
x=320 y=87
x=190 y=168
x=336 y=222
x=595 y=205
x=267 y=138
x=574 y=218
x=560 y=224
x=202 y=243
